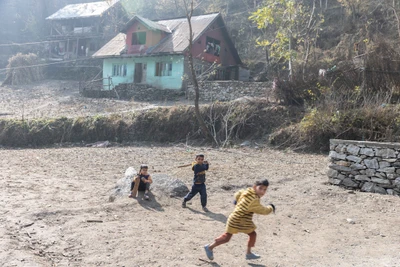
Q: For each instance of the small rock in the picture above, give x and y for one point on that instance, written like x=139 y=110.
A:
x=350 y=221
x=245 y=143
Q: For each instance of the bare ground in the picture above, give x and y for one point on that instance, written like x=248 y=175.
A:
x=53 y=98
x=55 y=209
x=48 y=196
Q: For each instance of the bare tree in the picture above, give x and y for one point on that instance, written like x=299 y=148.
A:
x=203 y=126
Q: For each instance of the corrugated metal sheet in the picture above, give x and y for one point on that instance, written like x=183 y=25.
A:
x=94 y=9
x=113 y=48
x=154 y=25
x=176 y=42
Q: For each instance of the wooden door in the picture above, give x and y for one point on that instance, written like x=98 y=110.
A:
x=144 y=72
x=138 y=73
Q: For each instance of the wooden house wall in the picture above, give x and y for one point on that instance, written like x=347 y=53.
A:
x=214 y=31
x=153 y=37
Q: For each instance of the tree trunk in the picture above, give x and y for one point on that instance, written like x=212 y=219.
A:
x=200 y=119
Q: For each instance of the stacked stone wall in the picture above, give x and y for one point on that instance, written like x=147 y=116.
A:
x=230 y=90
x=138 y=92
x=209 y=91
x=366 y=166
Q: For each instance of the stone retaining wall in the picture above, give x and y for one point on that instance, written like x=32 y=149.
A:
x=230 y=90
x=367 y=166
x=209 y=91
x=138 y=92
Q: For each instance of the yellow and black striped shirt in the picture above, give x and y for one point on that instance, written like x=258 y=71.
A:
x=241 y=219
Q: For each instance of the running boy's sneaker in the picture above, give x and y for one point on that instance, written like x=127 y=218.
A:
x=205 y=209
x=252 y=256
x=209 y=252
x=184 y=204
x=146 y=196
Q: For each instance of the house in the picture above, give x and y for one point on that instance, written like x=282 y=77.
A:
x=78 y=30
x=155 y=53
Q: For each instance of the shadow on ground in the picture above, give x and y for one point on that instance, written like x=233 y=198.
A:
x=215 y=216
x=257 y=265
x=150 y=204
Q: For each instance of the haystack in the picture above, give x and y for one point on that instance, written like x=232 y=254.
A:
x=23 y=69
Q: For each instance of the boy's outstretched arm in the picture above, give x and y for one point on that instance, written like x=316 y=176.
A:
x=256 y=207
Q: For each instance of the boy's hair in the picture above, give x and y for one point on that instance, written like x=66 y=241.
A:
x=263 y=182
x=199 y=156
x=144 y=166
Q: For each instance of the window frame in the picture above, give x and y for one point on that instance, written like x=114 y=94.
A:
x=119 y=70
x=163 y=68
x=212 y=50
x=136 y=40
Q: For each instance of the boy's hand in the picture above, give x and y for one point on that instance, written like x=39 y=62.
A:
x=273 y=207
x=205 y=162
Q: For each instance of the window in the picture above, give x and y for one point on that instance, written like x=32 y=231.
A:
x=138 y=38
x=213 y=46
x=119 y=70
x=164 y=69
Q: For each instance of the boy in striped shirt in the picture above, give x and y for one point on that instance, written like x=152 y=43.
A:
x=241 y=219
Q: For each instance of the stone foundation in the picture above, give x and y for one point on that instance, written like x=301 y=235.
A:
x=139 y=92
x=367 y=166
x=230 y=90
x=209 y=91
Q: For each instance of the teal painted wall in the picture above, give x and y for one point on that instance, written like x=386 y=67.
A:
x=162 y=82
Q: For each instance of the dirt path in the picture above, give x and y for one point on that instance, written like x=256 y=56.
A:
x=48 y=196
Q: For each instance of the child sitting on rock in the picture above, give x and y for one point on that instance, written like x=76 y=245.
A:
x=141 y=182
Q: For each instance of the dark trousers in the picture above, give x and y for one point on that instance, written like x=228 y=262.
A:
x=142 y=186
x=198 y=188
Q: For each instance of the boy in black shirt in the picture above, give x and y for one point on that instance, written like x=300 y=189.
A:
x=200 y=166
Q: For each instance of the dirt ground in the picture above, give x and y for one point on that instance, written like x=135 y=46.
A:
x=53 y=98
x=55 y=208
x=50 y=195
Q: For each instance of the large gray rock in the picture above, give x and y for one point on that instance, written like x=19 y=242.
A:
x=354 y=159
x=385 y=153
x=368 y=187
x=372 y=188
x=354 y=150
x=349 y=183
x=123 y=185
x=357 y=166
x=362 y=178
x=163 y=185
x=397 y=182
x=334 y=181
x=340 y=148
x=332 y=173
x=166 y=185
x=340 y=168
x=384 y=164
x=371 y=163
x=380 y=190
x=335 y=155
x=380 y=181
x=387 y=170
x=367 y=151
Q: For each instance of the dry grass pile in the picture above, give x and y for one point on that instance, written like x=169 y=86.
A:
x=23 y=69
